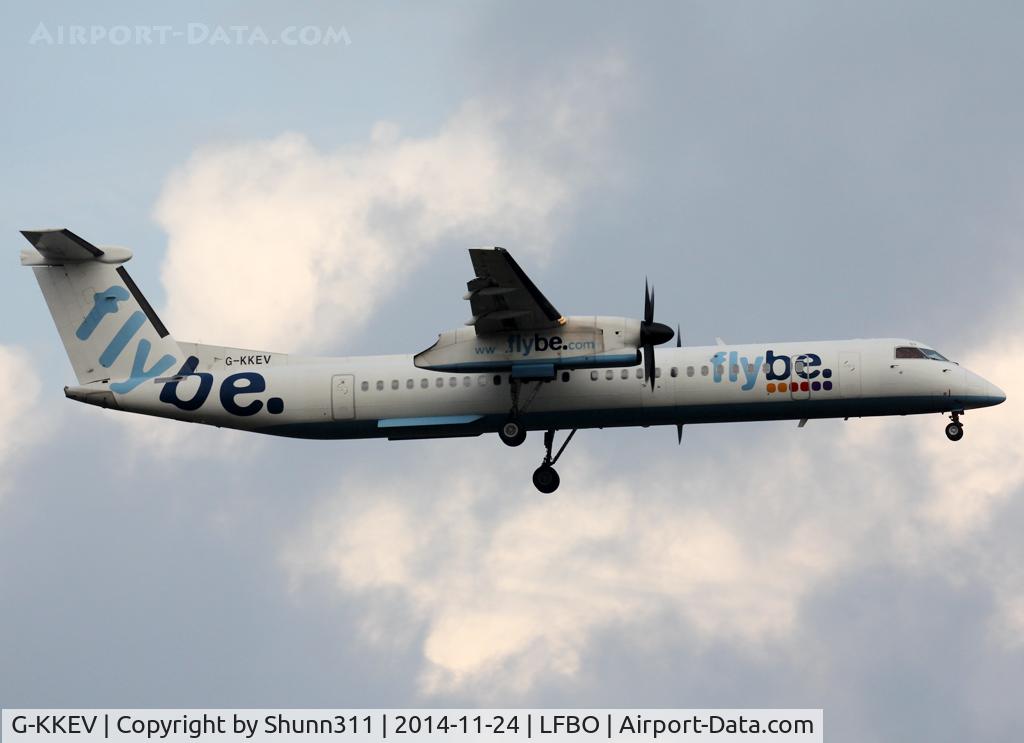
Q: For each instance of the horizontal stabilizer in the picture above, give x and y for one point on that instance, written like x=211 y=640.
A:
x=58 y=247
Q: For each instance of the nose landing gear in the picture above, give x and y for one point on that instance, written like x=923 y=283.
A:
x=545 y=478
x=955 y=430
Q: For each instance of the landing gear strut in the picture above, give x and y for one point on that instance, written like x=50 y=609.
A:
x=512 y=432
x=955 y=430
x=545 y=478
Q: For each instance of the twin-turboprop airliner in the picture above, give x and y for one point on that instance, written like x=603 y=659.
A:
x=517 y=365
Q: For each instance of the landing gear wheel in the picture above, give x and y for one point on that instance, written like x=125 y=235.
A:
x=545 y=479
x=512 y=433
x=955 y=431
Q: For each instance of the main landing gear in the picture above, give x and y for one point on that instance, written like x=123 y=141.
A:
x=955 y=430
x=512 y=432
x=545 y=478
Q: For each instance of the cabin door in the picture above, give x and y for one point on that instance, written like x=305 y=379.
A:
x=343 y=392
x=799 y=387
x=849 y=374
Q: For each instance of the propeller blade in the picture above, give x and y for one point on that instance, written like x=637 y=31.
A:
x=649 y=365
x=679 y=432
x=648 y=304
x=679 y=338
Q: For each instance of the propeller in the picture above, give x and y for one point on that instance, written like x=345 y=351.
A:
x=651 y=334
x=679 y=344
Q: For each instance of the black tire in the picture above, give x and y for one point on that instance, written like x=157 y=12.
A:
x=512 y=433
x=954 y=431
x=545 y=479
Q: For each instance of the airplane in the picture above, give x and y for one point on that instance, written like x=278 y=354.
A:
x=517 y=365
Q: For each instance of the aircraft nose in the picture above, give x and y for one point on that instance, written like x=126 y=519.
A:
x=983 y=391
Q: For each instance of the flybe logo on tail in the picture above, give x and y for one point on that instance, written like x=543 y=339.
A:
x=802 y=372
x=106 y=303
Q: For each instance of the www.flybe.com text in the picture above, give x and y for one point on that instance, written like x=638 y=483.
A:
x=524 y=345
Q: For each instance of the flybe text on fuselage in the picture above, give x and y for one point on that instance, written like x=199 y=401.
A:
x=807 y=367
x=231 y=387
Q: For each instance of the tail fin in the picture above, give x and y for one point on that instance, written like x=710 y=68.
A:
x=109 y=330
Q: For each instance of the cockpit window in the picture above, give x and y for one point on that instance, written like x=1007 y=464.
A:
x=909 y=352
x=913 y=352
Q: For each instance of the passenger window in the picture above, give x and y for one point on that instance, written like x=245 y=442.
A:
x=719 y=370
x=675 y=371
x=639 y=373
x=704 y=370
x=609 y=374
x=909 y=352
x=657 y=372
x=482 y=380
x=750 y=369
x=734 y=370
x=380 y=385
x=798 y=366
x=466 y=381
x=689 y=371
x=409 y=384
x=625 y=374
x=565 y=376
x=593 y=376
x=394 y=384
x=424 y=383
x=764 y=367
x=453 y=382
x=440 y=382
x=497 y=380
x=365 y=386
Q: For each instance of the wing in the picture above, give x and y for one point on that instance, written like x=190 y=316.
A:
x=503 y=298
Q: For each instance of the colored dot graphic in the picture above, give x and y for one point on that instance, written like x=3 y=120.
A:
x=773 y=387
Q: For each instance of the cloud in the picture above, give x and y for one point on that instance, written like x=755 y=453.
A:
x=511 y=589
x=19 y=428
x=276 y=244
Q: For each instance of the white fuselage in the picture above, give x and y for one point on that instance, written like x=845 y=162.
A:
x=387 y=396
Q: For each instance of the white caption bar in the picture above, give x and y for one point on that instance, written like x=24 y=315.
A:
x=337 y=725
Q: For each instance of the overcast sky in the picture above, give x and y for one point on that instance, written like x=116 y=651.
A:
x=782 y=171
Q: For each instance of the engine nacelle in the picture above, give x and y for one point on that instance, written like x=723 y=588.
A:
x=582 y=342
